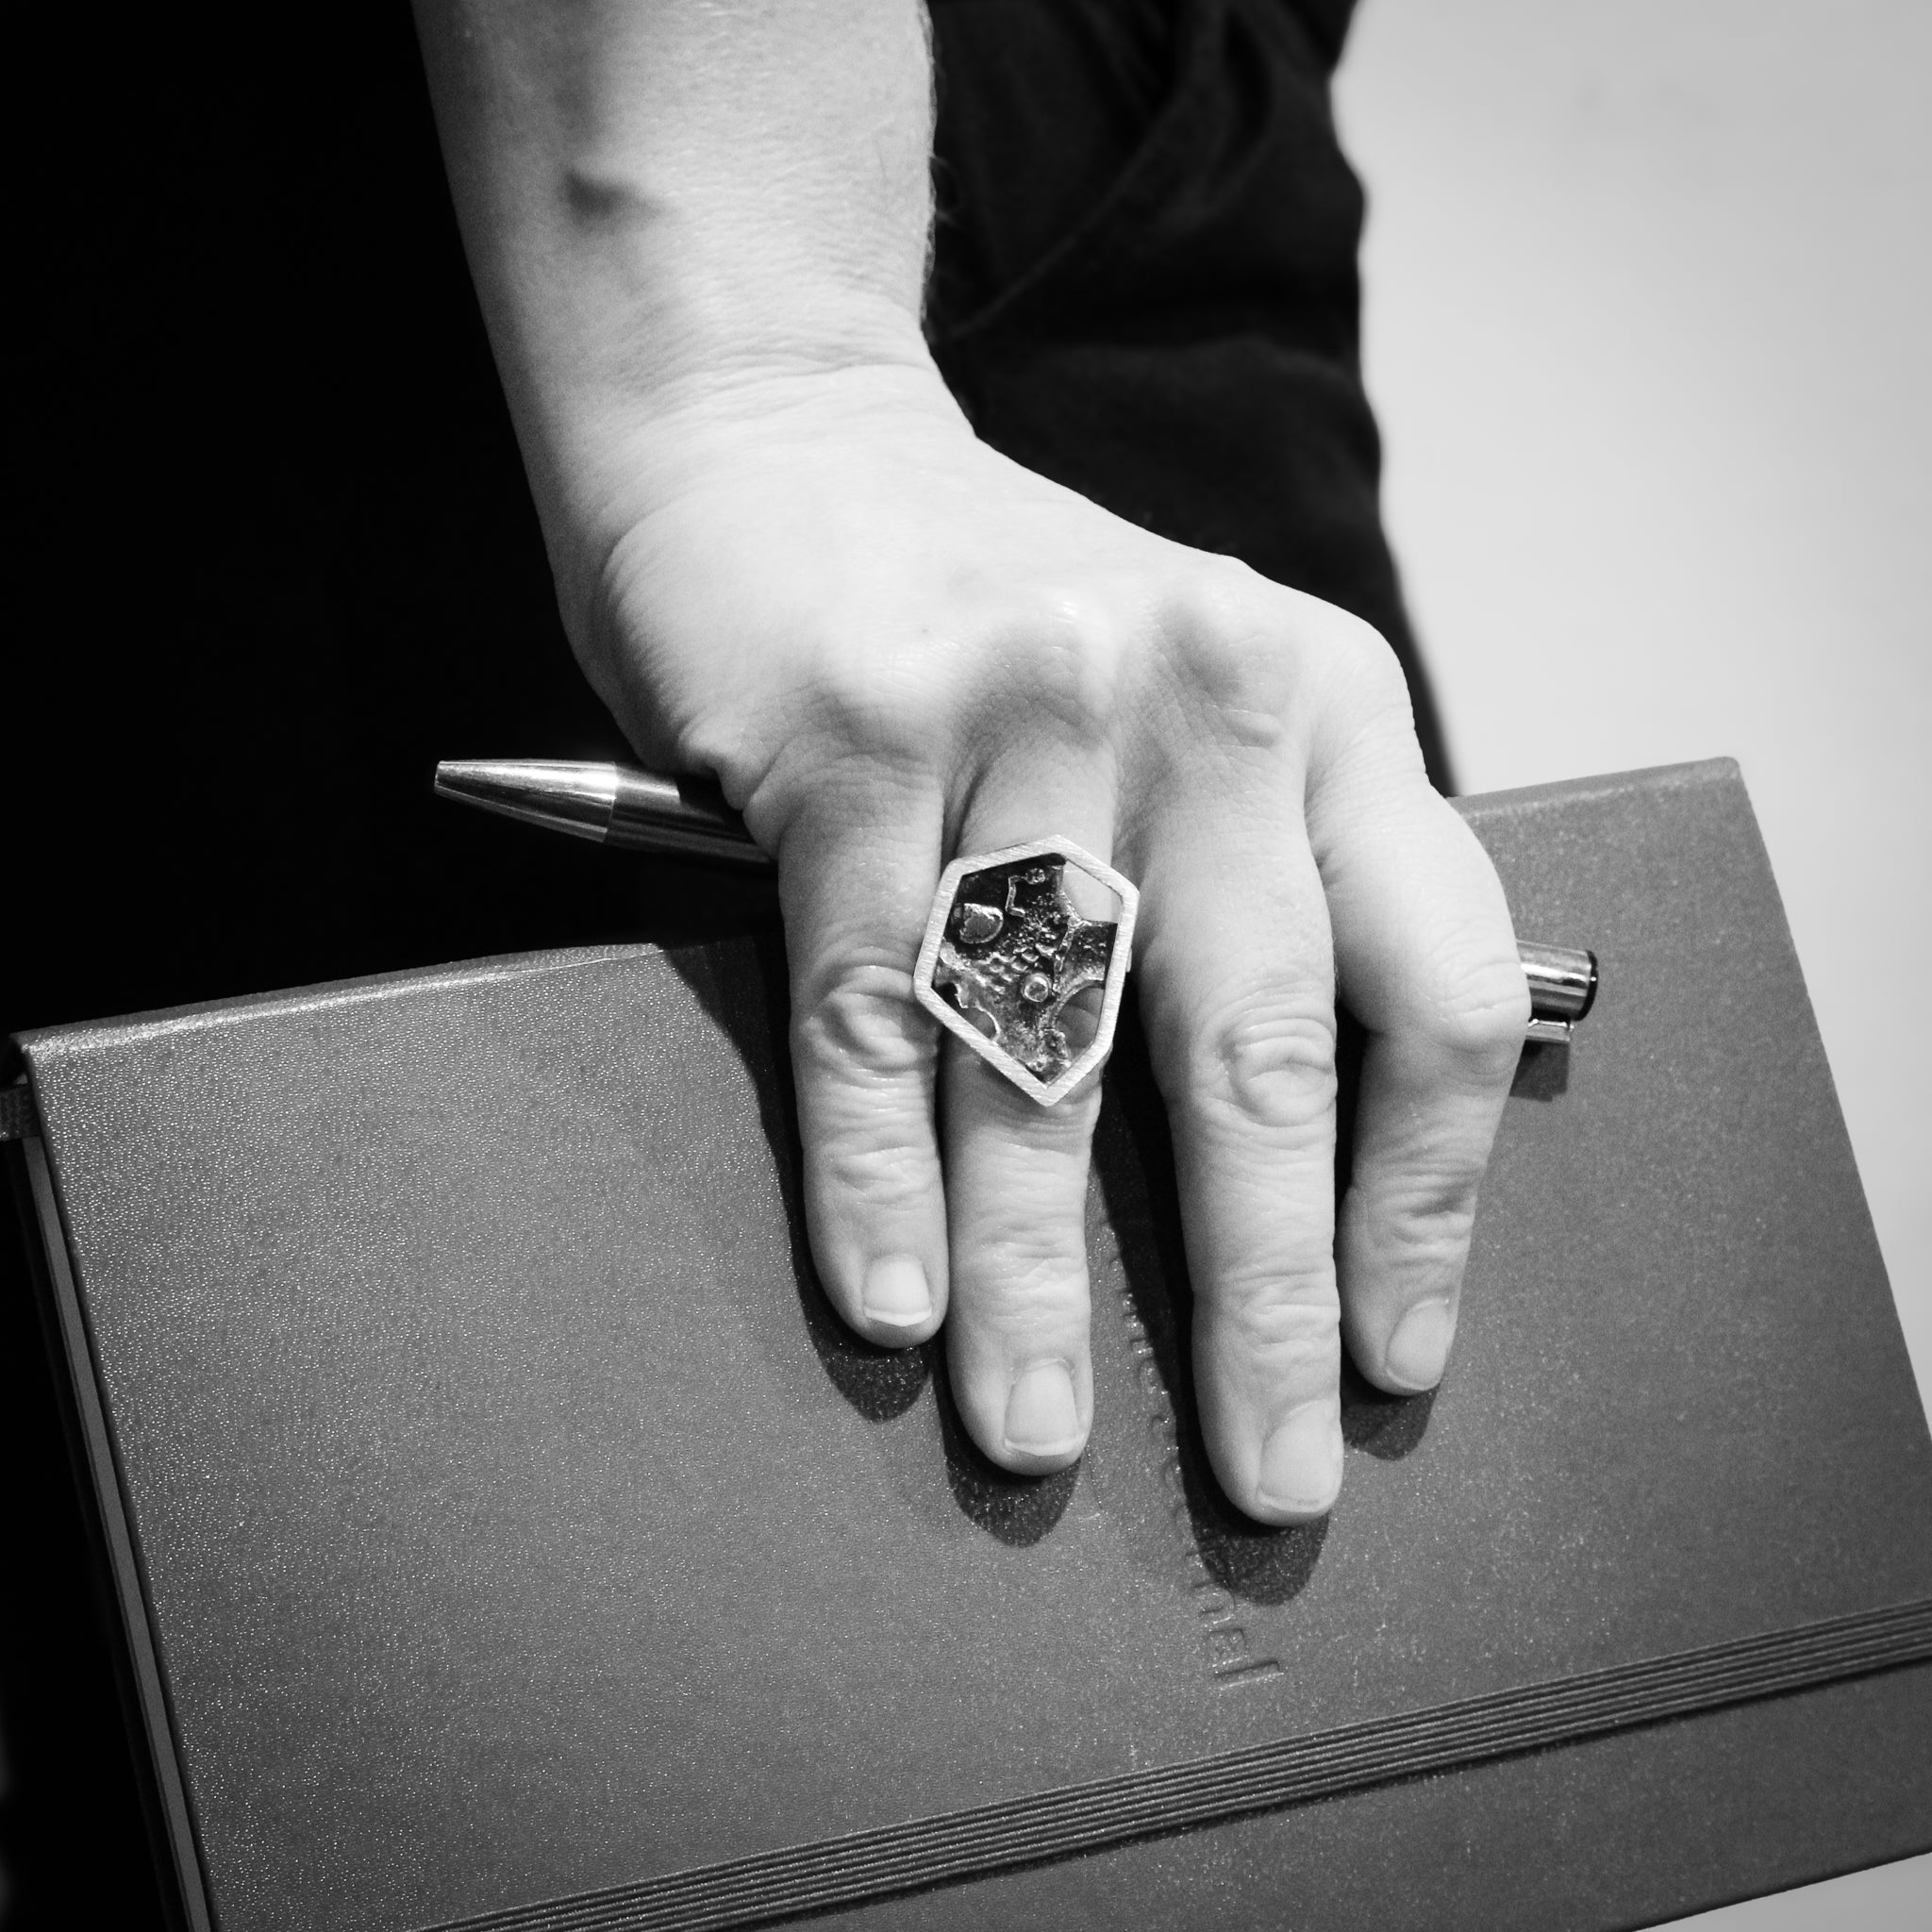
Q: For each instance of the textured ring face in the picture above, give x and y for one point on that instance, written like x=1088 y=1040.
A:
x=1007 y=952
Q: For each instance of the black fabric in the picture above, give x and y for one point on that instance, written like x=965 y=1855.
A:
x=277 y=554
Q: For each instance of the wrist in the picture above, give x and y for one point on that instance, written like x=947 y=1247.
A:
x=749 y=424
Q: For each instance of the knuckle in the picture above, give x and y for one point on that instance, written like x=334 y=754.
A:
x=1233 y=649
x=1058 y=664
x=1353 y=650
x=1030 y=1287
x=1257 y=657
x=1357 y=680
x=881 y=1167
x=862 y=1024
x=1286 y=1323
x=1078 y=664
x=1427 y=1218
x=1477 y=1012
x=877 y=705
x=1433 y=1246
x=1368 y=658
x=1270 y=1063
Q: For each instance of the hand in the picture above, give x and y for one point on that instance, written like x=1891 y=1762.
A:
x=699 y=232
x=893 y=645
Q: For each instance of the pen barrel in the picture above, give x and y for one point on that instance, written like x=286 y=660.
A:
x=685 y=816
x=650 y=812
x=1563 y=982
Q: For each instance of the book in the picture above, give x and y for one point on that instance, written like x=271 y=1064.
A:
x=507 y=1536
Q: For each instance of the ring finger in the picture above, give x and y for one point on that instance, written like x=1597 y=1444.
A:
x=1016 y=1171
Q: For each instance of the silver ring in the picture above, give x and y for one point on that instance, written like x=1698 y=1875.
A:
x=1007 y=950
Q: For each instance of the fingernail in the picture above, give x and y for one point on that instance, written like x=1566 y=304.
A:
x=895 y=1294
x=1042 y=1418
x=1301 y=1463
x=1418 y=1352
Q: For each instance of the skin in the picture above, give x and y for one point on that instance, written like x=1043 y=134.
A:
x=699 y=233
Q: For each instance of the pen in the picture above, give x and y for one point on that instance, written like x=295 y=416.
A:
x=647 y=811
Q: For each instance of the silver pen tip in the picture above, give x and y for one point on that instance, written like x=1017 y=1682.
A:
x=561 y=796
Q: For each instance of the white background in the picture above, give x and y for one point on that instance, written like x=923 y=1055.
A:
x=1649 y=319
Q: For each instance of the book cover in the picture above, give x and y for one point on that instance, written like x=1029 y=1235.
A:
x=509 y=1536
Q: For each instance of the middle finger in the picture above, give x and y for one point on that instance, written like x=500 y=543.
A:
x=1237 y=986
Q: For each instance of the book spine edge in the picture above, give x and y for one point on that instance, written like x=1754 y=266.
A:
x=174 y=1839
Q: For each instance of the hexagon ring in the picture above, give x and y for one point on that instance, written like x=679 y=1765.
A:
x=1008 y=949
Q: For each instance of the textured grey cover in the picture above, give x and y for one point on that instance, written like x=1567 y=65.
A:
x=514 y=1521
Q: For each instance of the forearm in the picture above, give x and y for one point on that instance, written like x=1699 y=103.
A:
x=663 y=199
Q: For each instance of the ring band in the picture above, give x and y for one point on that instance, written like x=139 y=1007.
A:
x=1007 y=950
